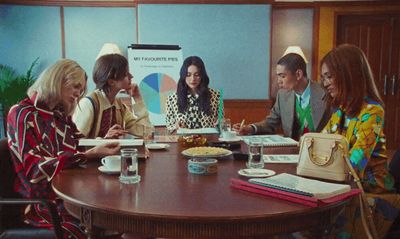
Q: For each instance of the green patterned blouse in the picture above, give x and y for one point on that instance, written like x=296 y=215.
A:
x=367 y=145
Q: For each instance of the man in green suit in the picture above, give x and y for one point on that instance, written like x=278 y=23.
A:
x=299 y=107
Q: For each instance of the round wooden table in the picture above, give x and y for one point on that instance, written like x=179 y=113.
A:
x=171 y=202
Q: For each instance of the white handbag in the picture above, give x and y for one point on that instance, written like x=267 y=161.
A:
x=323 y=156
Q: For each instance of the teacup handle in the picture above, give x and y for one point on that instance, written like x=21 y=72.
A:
x=103 y=161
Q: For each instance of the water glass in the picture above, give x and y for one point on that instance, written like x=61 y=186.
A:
x=160 y=134
x=256 y=159
x=129 y=166
x=225 y=126
x=148 y=133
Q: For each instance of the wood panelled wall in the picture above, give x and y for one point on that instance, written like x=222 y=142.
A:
x=250 y=110
x=237 y=110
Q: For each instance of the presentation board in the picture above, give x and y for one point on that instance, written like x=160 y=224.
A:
x=155 y=69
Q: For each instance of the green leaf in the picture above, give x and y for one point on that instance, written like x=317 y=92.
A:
x=13 y=88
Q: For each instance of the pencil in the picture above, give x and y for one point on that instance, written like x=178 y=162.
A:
x=242 y=123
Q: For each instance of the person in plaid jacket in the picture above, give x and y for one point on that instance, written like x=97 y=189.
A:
x=43 y=140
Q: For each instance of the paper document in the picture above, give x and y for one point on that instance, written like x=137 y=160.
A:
x=281 y=158
x=166 y=138
x=197 y=131
x=272 y=140
x=122 y=142
x=303 y=186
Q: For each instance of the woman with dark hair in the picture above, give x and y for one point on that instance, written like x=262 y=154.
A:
x=194 y=105
x=359 y=116
x=102 y=114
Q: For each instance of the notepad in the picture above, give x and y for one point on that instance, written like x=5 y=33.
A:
x=281 y=158
x=289 y=196
x=197 y=131
x=122 y=142
x=302 y=186
x=273 y=140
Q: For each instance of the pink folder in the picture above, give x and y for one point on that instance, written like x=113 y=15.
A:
x=288 y=196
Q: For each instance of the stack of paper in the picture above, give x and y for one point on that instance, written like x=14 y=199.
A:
x=122 y=142
x=197 y=131
x=272 y=140
x=281 y=158
x=166 y=138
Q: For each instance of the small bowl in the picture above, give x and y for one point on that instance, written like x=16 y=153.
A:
x=202 y=166
x=192 y=140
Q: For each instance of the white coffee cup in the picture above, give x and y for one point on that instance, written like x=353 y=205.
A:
x=112 y=162
x=229 y=134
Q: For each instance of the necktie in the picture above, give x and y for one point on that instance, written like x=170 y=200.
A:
x=107 y=121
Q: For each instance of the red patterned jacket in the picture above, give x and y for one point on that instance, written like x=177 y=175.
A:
x=42 y=143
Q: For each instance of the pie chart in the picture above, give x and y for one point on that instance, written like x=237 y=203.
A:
x=155 y=89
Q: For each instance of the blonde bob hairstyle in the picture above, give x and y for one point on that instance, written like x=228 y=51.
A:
x=52 y=81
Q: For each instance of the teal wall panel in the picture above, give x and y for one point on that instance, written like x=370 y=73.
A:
x=28 y=32
x=232 y=40
x=87 y=29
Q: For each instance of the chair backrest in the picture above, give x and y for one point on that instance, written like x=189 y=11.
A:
x=10 y=215
x=7 y=175
x=11 y=222
x=394 y=169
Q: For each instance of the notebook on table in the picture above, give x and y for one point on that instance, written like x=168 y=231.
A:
x=122 y=142
x=296 y=189
x=181 y=131
x=281 y=158
x=272 y=140
x=166 y=138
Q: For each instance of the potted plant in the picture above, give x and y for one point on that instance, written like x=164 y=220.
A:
x=13 y=88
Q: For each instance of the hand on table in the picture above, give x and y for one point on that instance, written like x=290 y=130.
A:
x=244 y=130
x=179 y=124
x=103 y=150
x=115 y=131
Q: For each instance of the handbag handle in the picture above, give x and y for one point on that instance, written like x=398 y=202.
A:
x=367 y=220
x=320 y=160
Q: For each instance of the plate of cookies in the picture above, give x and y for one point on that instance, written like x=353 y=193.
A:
x=206 y=151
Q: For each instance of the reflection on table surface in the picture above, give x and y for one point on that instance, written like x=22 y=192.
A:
x=171 y=202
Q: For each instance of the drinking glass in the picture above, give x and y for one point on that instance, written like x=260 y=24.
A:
x=148 y=134
x=160 y=134
x=129 y=166
x=225 y=126
x=256 y=159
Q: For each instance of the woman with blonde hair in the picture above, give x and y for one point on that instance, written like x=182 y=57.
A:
x=43 y=140
x=359 y=116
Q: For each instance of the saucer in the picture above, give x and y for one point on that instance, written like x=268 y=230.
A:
x=234 y=139
x=103 y=169
x=157 y=146
x=256 y=172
